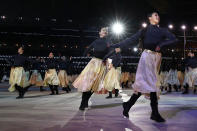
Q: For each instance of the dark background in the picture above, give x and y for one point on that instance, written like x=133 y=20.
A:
x=68 y=26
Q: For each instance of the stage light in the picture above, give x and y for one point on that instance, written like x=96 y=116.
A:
x=183 y=27
x=3 y=17
x=170 y=26
x=118 y=28
x=172 y=50
x=38 y=19
x=144 y=25
x=195 y=27
x=135 y=49
x=20 y=18
x=54 y=20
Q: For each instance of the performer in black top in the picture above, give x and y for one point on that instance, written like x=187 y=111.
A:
x=51 y=79
x=19 y=79
x=191 y=72
x=90 y=78
x=112 y=78
x=153 y=38
x=36 y=78
x=62 y=74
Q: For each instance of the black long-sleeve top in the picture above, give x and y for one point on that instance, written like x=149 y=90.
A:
x=116 y=58
x=63 y=65
x=191 y=62
x=51 y=63
x=100 y=47
x=20 y=60
x=36 y=65
x=153 y=36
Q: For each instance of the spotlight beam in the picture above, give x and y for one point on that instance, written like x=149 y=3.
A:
x=117 y=28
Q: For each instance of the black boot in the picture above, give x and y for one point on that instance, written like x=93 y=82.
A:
x=122 y=85
x=127 y=86
x=41 y=88
x=26 y=88
x=21 y=92
x=176 y=88
x=186 y=89
x=162 y=88
x=154 y=106
x=127 y=105
x=68 y=88
x=52 y=89
x=88 y=95
x=110 y=95
x=179 y=88
x=56 y=89
x=84 y=97
x=194 y=89
x=116 y=92
x=170 y=88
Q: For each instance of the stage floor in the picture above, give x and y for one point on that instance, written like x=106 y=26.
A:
x=39 y=111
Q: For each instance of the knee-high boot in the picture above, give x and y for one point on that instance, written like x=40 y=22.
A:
x=52 y=89
x=116 y=92
x=127 y=105
x=154 y=106
x=21 y=92
x=88 y=95
x=83 y=99
x=186 y=89
x=110 y=95
x=56 y=89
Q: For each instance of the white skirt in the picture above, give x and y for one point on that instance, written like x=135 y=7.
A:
x=173 y=77
x=146 y=80
x=194 y=77
x=188 y=78
x=163 y=78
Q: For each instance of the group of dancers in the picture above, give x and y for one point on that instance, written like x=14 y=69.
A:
x=103 y=72
x=153 y=38
x=21 y=80
x=181 y=77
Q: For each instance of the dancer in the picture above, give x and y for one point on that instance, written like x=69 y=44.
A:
x=18 y=77
x=51 y=79
x=36 y=78
x=112 y=78
x=153 y=38
x=172 y=77
x=191 y=72
x=90 y=78
x=62 y=74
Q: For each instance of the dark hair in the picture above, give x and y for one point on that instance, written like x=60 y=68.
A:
x=151 y=13
x=106 y=28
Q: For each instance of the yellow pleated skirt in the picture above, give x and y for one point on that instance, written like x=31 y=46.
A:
x=63 y=78
x=36 y=78
x=51 y=78
x=18 y=77
x=91 y=78
x=112 y=79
